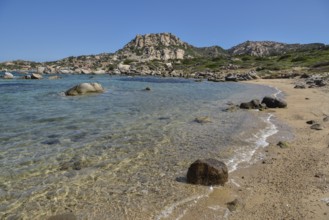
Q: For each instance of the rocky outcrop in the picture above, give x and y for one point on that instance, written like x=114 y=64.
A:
x=85 y=88
x=242 y=76
x=269 y=48
x=163 y=46
x=207 y=172
x=272 y=102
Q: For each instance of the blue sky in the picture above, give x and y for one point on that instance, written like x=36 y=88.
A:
x=46 y=30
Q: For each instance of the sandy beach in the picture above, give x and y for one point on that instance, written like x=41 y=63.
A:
x=289 y=182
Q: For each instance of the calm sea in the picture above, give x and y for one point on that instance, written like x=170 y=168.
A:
x=122 y=154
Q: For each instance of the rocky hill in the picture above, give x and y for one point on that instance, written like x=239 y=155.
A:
x=164 y=46
x=164 y=54
x=270 y=48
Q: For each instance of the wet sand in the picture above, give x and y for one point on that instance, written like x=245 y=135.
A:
x=284 y=183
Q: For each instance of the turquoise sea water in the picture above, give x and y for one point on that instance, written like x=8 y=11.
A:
x=122 y=154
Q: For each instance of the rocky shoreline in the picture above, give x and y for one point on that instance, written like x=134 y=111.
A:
x=289 y=179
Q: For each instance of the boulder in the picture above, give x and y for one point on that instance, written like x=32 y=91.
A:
x=253 y=104
x=84 y=88
x=36 y=76
x=272 y=102
x=207 y=172
x=231 y=77
x=8 y=75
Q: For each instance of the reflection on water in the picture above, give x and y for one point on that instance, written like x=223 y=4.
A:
x=116 y=155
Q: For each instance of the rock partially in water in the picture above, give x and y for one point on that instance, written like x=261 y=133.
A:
x=36 y=76
x=85 y=88
x=207 y=172
x=272 y=102
x=234 y=205
x=253 y=104
x=147 y=89
x=8 y=75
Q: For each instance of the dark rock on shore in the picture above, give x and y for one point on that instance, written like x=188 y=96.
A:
x=207 y=172
x=283 y=144
x=85 y=88
x=253 y=104
x=272 y=102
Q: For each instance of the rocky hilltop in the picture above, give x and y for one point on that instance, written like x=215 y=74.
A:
x=270 y=48
x=164 y=54
x=164 y=46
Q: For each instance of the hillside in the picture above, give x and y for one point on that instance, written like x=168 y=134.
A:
x=164 y=54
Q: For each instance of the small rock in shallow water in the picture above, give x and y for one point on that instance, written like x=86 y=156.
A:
x=236 y=203
x=311 y=122
x=202 y=120
x=317 y=127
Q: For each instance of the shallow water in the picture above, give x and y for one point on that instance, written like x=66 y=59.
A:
x=122 y=154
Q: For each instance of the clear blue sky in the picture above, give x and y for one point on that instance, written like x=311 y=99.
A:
x=46 y=30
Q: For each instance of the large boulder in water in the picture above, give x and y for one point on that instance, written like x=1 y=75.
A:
x=207 y=172
x=272 y=102
x=85 y=88
x=8 y=75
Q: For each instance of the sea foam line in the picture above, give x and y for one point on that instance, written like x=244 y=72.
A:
x=259 y=140
x=167 y=211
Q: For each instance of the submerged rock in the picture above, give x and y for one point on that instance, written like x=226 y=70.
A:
x=272 y=102
x=207 y=172
x=65 y=216
x=202 y=120
x=85 y=88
